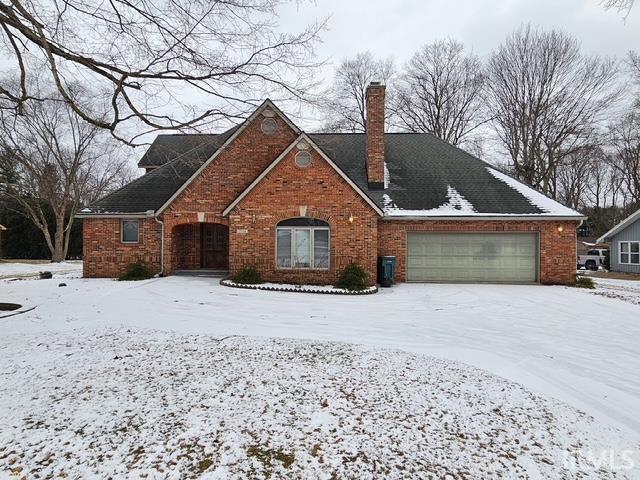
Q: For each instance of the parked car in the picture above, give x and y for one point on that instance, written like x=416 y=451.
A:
x=594 y=259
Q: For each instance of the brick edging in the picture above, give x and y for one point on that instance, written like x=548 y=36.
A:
x=232 y=284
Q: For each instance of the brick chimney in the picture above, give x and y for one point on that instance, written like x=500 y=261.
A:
x=375 y=135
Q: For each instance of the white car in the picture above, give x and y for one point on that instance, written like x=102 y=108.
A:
x=594 y=259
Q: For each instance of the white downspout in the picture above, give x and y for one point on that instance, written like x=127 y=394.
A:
x=161 y=274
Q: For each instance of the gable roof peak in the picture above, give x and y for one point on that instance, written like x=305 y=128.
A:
x=310 y=144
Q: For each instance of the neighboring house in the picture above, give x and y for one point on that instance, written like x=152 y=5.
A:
x=300 y=207
x=624 y=238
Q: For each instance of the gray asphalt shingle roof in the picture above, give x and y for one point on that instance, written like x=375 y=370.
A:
x=422 y=170
x=177 y=158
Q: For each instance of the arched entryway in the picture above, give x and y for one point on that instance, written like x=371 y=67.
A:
x=201 y=246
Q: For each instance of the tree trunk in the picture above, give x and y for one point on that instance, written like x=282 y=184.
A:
x=58 y=254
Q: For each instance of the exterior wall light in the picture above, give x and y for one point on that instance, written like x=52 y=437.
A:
x=560 y=228
x=351 y=218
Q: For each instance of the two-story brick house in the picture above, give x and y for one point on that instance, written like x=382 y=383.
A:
x=300 y=206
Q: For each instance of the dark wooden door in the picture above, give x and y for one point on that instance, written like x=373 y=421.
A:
x=215 y=246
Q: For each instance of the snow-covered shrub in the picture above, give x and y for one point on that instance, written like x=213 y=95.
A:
x=137 y=271
x=353 y=277
x=584 y=282
x=248 y=276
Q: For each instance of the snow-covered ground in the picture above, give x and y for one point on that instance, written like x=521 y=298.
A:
x=626 y=290
x=131 y=373
x=134 y=404
x=31 y=269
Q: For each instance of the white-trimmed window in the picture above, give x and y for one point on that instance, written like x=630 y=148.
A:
x=630 y=253
x=302 y=243
x=130 y=231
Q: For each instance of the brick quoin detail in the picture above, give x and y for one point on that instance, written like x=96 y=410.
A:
x=326 y=196
x=557 y=249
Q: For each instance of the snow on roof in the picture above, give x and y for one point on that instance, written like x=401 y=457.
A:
x=387 y=176
x=549 y=206
x=456 y=205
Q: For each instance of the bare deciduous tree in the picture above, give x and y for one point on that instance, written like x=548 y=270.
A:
x=440 y=92
x=58 y=162
x=634 y=62
x=622 y=6
x=144 y=55
x=346 y=99
x=634 y=66
x=625 y=140
x=575 y=174
x=604 y=186
x=545 y=99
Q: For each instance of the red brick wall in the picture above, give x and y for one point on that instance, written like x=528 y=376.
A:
x=375 y=133
x=557 y=249
x=223 y=180
x=326 y=196
x=104 y=253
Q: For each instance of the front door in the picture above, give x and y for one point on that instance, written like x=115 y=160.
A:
x=215 y=246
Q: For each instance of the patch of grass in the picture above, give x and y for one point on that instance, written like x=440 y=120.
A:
x=267 y=456
x=204 y=465
x=584 y=282
x=137 y=271
x=248 y=276
x=353 y=277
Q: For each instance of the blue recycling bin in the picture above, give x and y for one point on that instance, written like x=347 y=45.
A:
x=386 y=270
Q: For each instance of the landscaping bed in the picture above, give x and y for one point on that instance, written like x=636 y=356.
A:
x=288 y=287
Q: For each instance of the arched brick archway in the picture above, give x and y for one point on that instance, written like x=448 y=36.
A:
x=200 y=246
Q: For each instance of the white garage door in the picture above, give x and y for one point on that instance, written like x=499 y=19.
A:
x=472 y=257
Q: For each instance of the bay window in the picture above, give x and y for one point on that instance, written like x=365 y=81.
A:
x=302 y=243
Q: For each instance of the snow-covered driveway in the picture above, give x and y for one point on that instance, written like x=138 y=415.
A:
x=558 y=342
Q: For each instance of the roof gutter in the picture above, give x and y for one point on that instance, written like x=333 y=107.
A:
x=480 y=218
x=113 y=215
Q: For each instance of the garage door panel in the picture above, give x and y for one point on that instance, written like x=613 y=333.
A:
x=472 y=257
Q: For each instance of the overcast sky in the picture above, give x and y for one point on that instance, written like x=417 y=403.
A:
x=396 y=28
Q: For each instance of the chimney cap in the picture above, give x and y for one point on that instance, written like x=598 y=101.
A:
x=376 y=84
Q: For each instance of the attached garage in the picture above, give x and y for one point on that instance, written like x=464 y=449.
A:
x=472 y=257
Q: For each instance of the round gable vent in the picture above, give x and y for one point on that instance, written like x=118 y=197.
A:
x=303 y=158
x=269 y=126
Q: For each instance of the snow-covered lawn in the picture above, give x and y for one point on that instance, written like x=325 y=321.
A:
x=132 y=375
x=143 y=403
x=626 y=290
x=19 y=269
